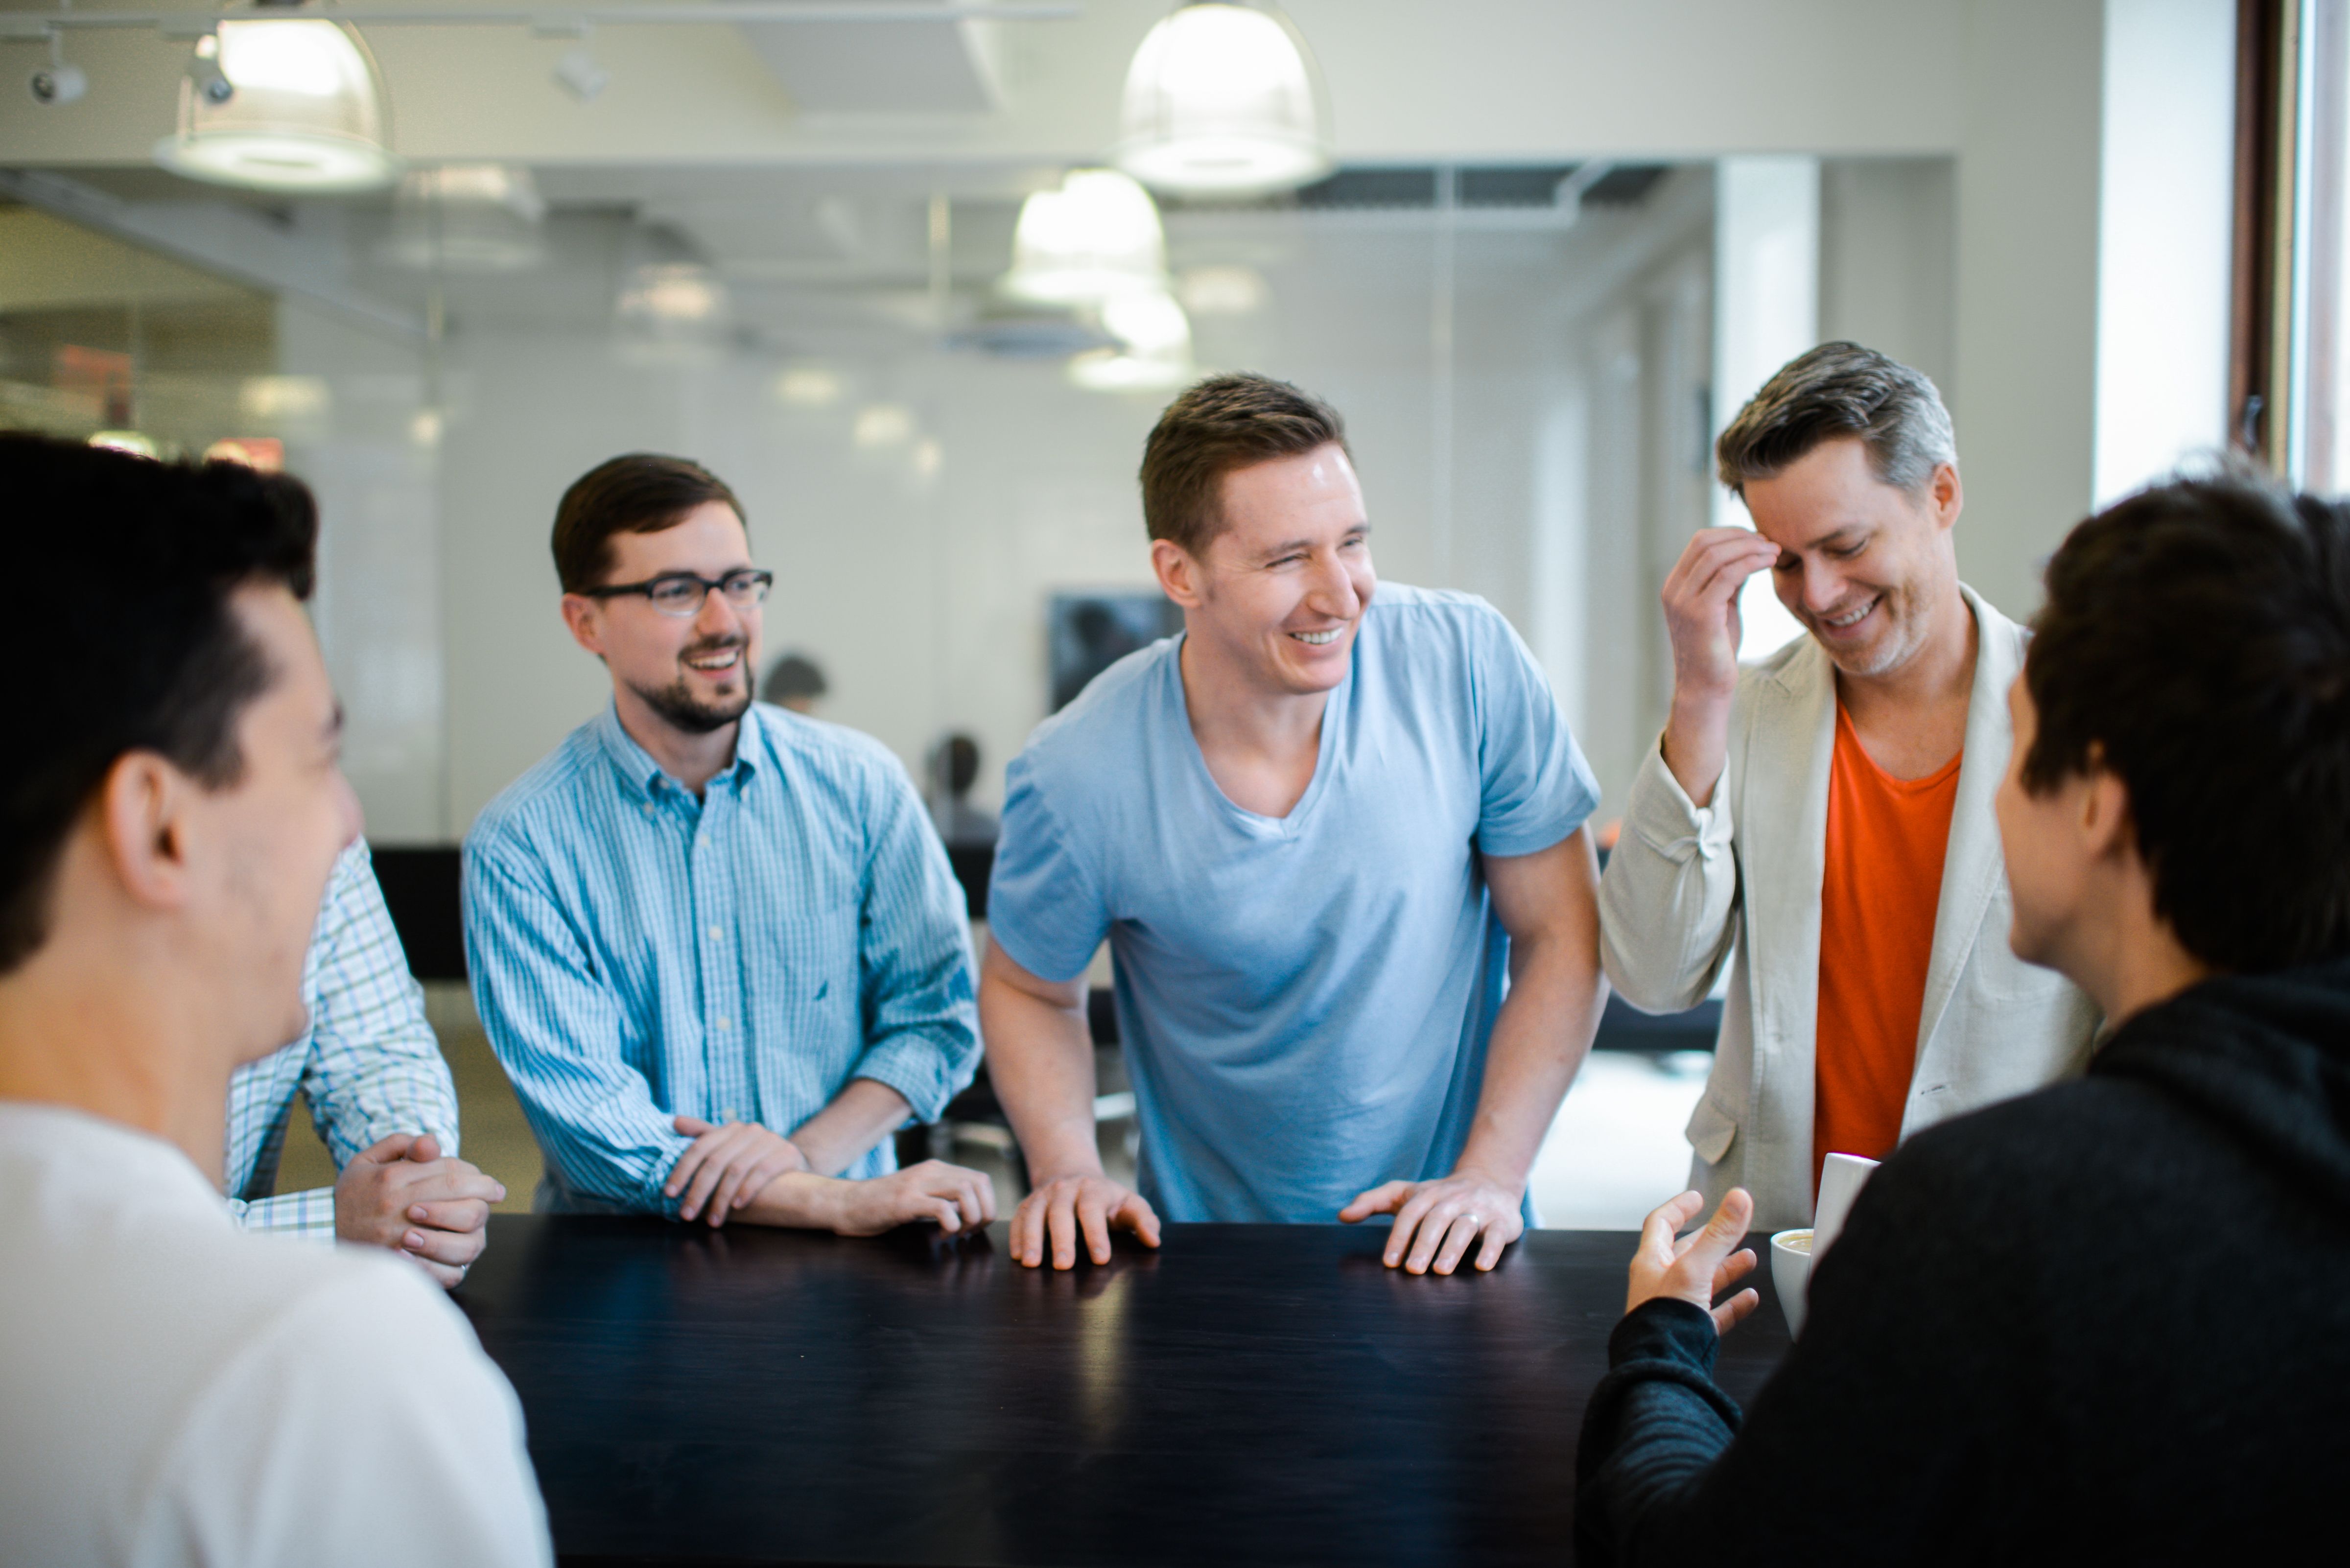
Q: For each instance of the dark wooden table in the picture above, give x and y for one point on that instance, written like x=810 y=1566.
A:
x=1248 y=1395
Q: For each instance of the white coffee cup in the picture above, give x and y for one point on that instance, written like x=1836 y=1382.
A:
x=1842 y=1176
x=1790 y=1274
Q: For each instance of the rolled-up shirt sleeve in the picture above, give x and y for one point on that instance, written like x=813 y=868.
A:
x=1667 y=902
x=375 y=1067
x=559 y=1032
x=921 y=1015
x=369 y=1065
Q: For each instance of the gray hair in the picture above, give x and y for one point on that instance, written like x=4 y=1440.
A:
x=1841 y=389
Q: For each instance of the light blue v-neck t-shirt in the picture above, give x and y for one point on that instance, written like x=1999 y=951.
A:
x=1304 y=1003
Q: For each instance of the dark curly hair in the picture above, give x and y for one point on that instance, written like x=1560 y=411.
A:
x=2195 y=642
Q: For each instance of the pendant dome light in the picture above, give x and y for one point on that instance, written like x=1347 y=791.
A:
x=467 y=217
x=1096 y=236
x=1223 y=101
x=1154 y=345
x=291 y=104
x=672 y=308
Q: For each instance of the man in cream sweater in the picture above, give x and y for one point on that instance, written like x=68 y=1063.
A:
x=1821 y=822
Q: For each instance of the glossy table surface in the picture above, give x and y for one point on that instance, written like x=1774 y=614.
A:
x=1247 y=1394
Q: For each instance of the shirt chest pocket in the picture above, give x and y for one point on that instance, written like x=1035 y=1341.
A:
x=807 y=968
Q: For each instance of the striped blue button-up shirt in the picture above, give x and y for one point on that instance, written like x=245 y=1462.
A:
x=369 y=1063
x=638 y=953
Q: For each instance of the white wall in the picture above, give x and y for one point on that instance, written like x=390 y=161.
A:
x=1767 y=311
x=1887 y=254
x=2166 y=206
x=378 y=597
x=2025 y=359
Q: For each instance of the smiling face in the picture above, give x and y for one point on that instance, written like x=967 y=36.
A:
x=691 y=673
x=1281 y=585
x=1864 y=565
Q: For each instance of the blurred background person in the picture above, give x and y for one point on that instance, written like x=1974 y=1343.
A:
x=794 y=681
x=953 y=769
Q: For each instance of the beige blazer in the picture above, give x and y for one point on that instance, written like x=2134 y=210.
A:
x=1739 y=883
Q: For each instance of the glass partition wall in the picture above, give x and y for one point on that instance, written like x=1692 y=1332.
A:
x=1527 y=359
x=102 y=339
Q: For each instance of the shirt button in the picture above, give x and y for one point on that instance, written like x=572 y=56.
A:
x=725 y=1024
x=717 y=934
x=647 y=808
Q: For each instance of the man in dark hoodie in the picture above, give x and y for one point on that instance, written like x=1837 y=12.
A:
x=2109 y=1321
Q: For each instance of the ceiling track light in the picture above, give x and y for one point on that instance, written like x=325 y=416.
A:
x=579 y=74
x=56 y=82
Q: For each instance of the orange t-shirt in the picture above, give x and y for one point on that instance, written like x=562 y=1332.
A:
x=1878 y=889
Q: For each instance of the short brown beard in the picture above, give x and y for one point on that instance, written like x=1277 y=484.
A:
x=677 y=703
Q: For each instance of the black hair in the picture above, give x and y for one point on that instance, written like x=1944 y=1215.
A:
x=122 y=636
x=2195 y=643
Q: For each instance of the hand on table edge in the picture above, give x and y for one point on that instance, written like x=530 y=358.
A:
x=1062 y=1208
x=1435 y=1221
x=1700 y=1266
x=954 y=1199
x=403 y=1194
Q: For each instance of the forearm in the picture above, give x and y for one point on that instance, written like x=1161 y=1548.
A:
x=864 y=1113
x=1653 y=1429
x=1669 y=901
x=1696 y=742
x=799 y=1199
x=1539 y=1041
x=1040 y=1059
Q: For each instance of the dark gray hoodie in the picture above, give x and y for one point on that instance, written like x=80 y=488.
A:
x=2108 y=1321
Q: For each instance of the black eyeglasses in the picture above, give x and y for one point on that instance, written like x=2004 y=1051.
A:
x=683 y=592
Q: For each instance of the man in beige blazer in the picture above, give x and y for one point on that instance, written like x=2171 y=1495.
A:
x=1846 y=461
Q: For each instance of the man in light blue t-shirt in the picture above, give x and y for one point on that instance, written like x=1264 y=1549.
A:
x=1317 y=829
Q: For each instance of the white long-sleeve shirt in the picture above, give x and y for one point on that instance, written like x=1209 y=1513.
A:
x=173 y=1391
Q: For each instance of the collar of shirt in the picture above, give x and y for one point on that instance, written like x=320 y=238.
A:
x=640 y=772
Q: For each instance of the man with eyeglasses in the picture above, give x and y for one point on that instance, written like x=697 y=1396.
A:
x=715 y=945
